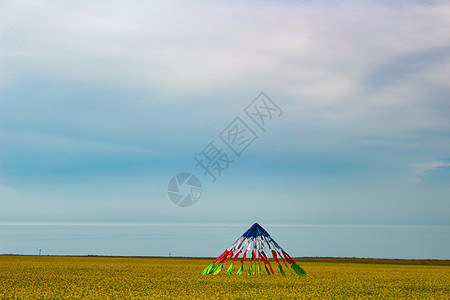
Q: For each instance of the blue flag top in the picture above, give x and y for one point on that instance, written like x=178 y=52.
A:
x=255 y=231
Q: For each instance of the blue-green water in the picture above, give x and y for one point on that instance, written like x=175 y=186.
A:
x=408 y=242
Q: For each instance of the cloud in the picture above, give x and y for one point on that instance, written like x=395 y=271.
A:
x=430 y=166
x=315 y=51
x=381 y=66
x=120 y=88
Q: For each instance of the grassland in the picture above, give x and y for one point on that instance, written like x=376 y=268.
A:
x=51 y=277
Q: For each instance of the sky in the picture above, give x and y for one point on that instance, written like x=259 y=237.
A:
x=103 y=102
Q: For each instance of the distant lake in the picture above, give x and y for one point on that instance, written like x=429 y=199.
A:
x=376 y=241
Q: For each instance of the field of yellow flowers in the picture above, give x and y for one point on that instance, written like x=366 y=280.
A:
x=53 y=277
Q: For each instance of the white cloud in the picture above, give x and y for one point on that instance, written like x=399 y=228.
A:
x=430 y=166
x=314 y=51
x=359 y=71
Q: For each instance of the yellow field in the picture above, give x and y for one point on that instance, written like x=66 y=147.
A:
x=42 y=277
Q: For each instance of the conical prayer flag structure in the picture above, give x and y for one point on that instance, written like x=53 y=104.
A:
x=253 y=244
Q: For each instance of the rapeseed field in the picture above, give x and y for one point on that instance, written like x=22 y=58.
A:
x=53 y=277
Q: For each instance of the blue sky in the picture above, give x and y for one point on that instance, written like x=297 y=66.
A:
x=103 y=102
